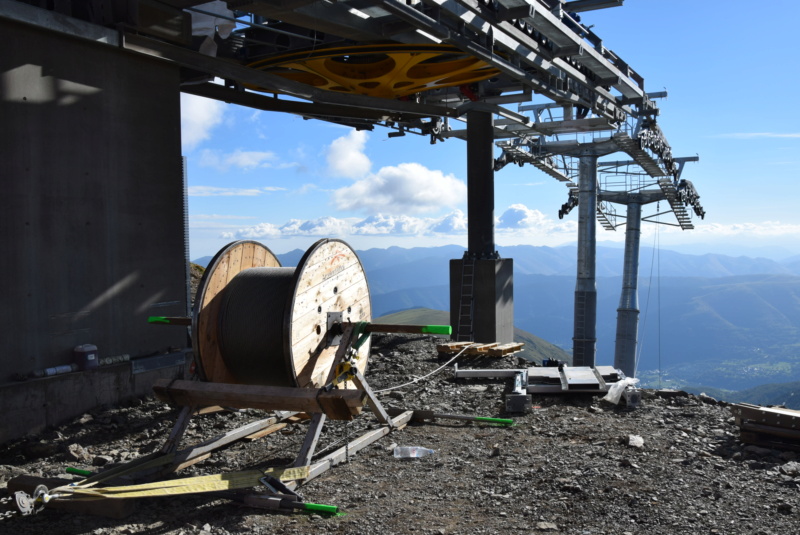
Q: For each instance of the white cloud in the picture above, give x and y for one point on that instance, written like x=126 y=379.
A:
x=400 y=225
x=241 y=159
x=763 y=229
x=377 y=225
x=305 y=188
x=520 y=216
x=517 y=221
x=213 y=191
x=403 y=189
x=454 y=223
x=262 y=230
x=346 y=156
x=324 y=226
x=757 y=135
x=199 y=116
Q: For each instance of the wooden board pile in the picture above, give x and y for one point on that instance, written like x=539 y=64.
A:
x=484 y=350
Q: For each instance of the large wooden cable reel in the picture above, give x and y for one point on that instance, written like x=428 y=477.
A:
x=257 y=323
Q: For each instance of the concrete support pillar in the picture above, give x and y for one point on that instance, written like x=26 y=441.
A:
x=491 y=294
x=584 y=341
x=480 y=185
x=628 y=311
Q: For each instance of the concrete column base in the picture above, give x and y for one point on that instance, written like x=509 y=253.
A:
x=493 y=294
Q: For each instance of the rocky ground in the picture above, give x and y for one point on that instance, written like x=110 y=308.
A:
x=573 y=465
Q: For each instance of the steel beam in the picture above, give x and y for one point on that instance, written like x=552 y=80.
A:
x=628 y=311
x=579 y=6
x=480 y=185
x=584 y=341
x=329 y=112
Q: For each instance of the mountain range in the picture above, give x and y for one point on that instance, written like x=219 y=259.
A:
x=713 y=320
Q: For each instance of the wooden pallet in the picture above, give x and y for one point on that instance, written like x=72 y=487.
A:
x=483 y=350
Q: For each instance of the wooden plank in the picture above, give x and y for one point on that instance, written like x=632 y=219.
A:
x=766 y=441
x=451 y=347
x=213 y=365
x=260 y=258
x=210 y=410
x=192 y=461
x=234 y=262
x=228 y=265
x=505 y=349
x=199 y=450
x=787 y=418
x=336 y=404
x=264 y=432
x=248 y=256
x=106 y=507
x=791 y=434
x=330 y=280
x=481 y=349
x=396 y=328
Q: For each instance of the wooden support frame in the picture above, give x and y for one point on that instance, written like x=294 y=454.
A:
x=340 y=455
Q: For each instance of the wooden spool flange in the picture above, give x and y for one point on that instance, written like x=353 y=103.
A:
x=328 y=281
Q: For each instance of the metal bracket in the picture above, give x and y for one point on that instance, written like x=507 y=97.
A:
x=335 y=320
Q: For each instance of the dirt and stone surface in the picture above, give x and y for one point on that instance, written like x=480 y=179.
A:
x=574 y=465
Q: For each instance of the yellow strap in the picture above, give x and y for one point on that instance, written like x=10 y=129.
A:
x=189 y=485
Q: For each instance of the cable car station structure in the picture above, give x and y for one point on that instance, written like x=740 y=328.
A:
x=94 y=216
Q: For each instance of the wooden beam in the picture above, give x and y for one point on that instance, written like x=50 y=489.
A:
x=336 y=404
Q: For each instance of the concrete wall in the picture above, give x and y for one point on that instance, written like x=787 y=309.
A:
x=35 y=405
x=494 y=299
x=91 y=212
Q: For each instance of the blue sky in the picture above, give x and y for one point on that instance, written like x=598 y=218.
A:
x=730 y=70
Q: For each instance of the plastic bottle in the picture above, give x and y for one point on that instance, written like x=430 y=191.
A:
x=411 y=452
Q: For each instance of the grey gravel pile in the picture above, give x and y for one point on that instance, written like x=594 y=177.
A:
x=572 y=465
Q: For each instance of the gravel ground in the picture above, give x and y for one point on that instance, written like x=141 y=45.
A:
x=572 y=465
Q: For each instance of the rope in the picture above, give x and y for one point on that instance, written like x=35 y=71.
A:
x=658 y=294
x=437 y=370
x=647 y=303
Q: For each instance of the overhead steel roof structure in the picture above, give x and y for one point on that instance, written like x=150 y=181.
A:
x=293 y=51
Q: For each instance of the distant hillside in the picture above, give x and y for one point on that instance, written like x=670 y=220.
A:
x=726 y=322
x=411 y=267
x=535 y=350
x=787 y=394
